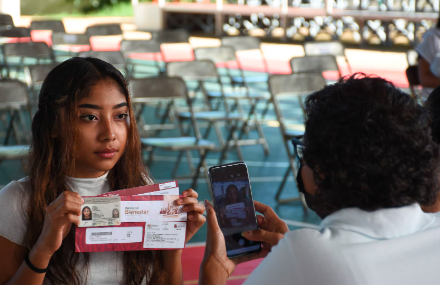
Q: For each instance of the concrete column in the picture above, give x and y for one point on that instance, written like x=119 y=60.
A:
x=11 y=7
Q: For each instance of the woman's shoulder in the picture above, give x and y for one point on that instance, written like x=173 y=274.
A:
x=13 y=201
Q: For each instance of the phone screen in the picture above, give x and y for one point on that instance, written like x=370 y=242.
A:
x=235 y=207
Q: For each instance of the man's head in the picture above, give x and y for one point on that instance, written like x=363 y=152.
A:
x=369 y=146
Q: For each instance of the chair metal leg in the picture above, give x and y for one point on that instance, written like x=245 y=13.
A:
x=290 y=169
x=199 y=166
x=9 y=129
x=176 y=166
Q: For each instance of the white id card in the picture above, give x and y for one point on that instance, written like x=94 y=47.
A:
x=100 y=211
x=113 y=235
x=165 y=235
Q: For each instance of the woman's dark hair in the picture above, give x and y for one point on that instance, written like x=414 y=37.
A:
x=82 y=213
x=369 y=145
x=52 y=160
x=433 y=106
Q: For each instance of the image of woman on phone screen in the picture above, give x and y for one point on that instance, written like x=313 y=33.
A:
x=85 y=142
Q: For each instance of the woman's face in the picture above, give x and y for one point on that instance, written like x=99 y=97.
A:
x=115 y=212
x=233 y=195
x=103 y=126
x=86 y=212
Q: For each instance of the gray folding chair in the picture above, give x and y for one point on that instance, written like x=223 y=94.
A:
x=315 y=63
x=104 y=30
x=243 y=43
x=14 y=32
x=66 y=46
x=19 y=55
x=52 y=25
x=172 y=89
x=129 y=47
x=115 y=58
x=14 y=101
x=226 y=55
x=291 y=85
x=335 y=48
x=35 y=76
x=171 y=36
x=6 y=21
x=201 y=71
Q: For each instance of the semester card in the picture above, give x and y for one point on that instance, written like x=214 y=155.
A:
x=100 y=211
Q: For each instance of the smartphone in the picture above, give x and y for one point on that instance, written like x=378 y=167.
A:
x=234 y=206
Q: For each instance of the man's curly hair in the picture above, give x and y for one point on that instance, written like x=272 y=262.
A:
x=369 y=145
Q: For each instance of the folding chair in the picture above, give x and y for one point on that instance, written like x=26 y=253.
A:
x=66 y=46
x=6 y=21
x=172 y=89
x=15 y=34
x=48 y=25
x=315 y=63
x=19 y=55
x=201 y=71
x=335 y=48
x=293 y=86
x=137 y=52
x=412 y=75
x=412 y=57
x=115 y=58
x=247 y=43
x=171 y=36
x=225 y=56
x=104 y=30
x=35 y=76
x=14 y=99
x=105 y=37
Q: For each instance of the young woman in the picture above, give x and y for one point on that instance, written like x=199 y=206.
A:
x=85 y=142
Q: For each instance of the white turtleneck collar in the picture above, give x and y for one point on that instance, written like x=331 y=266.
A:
x=90 y=186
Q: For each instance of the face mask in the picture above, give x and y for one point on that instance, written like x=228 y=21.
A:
x=310 y=199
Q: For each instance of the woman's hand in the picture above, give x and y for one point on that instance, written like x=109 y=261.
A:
x=216 y=266
x=272 y=228
x=60 y=215
x=195 y=212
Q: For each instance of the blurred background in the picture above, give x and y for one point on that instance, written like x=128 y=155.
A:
x=246 y=66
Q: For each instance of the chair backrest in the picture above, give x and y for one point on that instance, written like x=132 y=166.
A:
x=288 y=84
x=158 y=87
x=171 y=36
x=216 y=54
x=70 y=39
x=15 y=32
x=192 y=70
x=293 y=85
x=104 y=30
x=6 y=20
x=240 y=43
x=411 y=57
x=13 y=91
x=52 y=25
x=113 y=57
x=316 y=63
x=335 y=48
x=140 y=46
x=37 y=73
x=31 y=49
